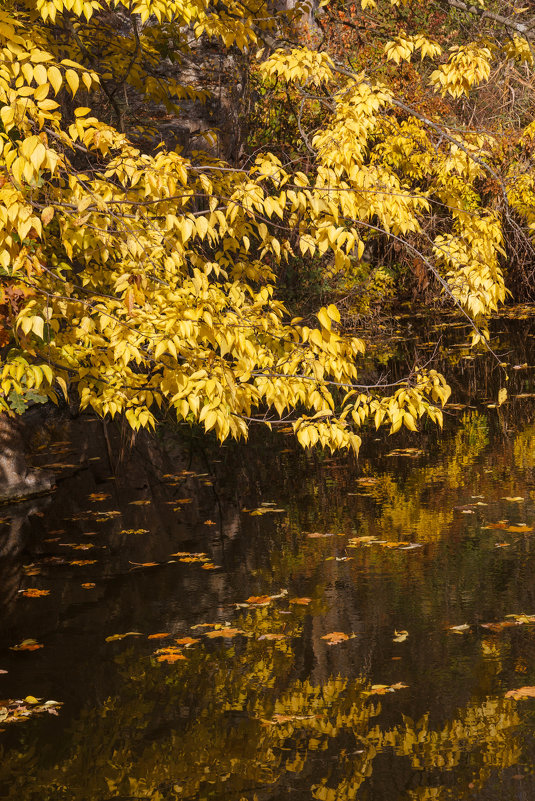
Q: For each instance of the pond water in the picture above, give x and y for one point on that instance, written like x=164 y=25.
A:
x=257 y=623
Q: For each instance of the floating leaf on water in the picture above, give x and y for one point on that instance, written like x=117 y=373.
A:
x=356 y=541
x=210 y=566
x=258 y=600
x=170 y=658
x=76 y=547
x=400 y=636
x=224 y=632
x=145 y=564
x=209 y=523
x=339 y=559
x=82 y=562
x=515 y=499
x=382 y=689
x=144 y=502
x=159 y=636
x=32 y=592
x=88 y=585
x=300 y=601
x=205 y=625
x=411 y=452
x=502 y=544
x=135 y=530
x=187 y=641
x=27 y=645
x=522 y=619
x=316 y=535
x=114 y=637
x=99 y=496
x=521 y=528
x=271 y=636
x=459 y=629
x=335 y=637
x=522 y=692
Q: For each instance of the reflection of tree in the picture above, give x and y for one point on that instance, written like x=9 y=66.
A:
x=235 y=722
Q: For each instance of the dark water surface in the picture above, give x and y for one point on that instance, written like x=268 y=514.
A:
x=407 y=697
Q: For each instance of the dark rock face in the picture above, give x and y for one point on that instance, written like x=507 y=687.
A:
x=17 y=481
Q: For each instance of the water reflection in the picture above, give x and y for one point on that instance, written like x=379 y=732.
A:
x=272 y=710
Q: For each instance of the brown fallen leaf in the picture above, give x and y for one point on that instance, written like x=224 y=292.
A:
x=314 y=535
x=34 y=593
x=140 y=503
x=521 y=692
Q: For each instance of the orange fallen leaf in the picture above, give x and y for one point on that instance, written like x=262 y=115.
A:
x=82 y=562
x=300 y=601
x=140 y=503
x=170 y=658
x=145 y=564
x=159 y=636
x=334 y=637
x=522 y=692
x=209 y=523
x=34 y=593
x=258 y=600
x=88 y=585
x=187 y=641
x=209 y=566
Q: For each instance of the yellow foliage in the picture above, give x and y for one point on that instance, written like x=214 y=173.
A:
x=152 y=272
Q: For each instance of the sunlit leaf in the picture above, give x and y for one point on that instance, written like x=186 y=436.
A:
x=35 y=593
x=335 y=637
x=520 y=693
